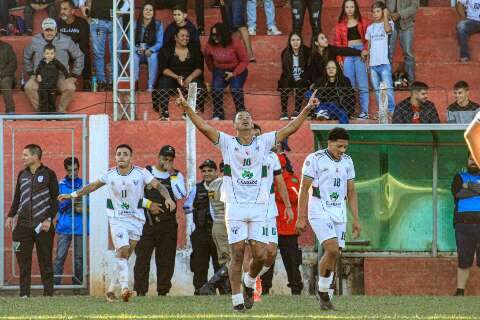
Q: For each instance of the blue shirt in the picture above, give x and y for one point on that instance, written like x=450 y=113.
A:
x=158 y=36
x=68 y=219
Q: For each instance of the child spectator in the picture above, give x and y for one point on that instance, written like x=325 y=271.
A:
x=416 y=108
x=269 y=7
x=463 y=110
x=469 y=12
x=180 y=21
x=36 y=5
x=47 y=76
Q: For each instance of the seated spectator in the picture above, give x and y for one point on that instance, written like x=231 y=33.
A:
x=227 y=59
x=36 y=5
x=294 y=79
x=65 y=49
x=269 y=7
x=8 y=66
x=314 y=12
x=78 y=29
x=179 y=64
x=463 y=110
x=180 y=21
x=336 y=95
x=469 y=12
x=233 y=15
x=417 y=108
x=148 y=41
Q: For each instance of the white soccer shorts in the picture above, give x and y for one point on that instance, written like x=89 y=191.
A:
x=123 y=230
x=246 y=222
x=325 y=229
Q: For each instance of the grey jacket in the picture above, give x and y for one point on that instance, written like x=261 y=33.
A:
x=407 y=10
x=66 y=50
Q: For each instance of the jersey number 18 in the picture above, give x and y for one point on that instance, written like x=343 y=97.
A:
x=336 y=182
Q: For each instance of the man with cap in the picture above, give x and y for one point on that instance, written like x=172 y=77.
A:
x=36 y=5
x=65 y=51
x=199 y=218
x=160 y=231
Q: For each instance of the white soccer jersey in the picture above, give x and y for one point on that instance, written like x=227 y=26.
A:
x=245 y=170
x=274 y=168
x=329 y=184
x=125 y=192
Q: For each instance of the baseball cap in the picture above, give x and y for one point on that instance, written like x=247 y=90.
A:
x=49 y=23
x=167 y=151
x=208 y=163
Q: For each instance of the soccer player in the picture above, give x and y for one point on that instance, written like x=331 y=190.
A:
x=331 y=174
x=126 y=216
x=245 y=191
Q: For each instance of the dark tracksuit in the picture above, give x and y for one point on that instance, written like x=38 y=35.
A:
x=47 y=89
x=34 y=201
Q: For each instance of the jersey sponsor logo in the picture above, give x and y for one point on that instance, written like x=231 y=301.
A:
x=40 y=179
x=334 y=196
x=125 y=206
x=247 y=179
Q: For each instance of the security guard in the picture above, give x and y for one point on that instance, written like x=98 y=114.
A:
x=160 y=231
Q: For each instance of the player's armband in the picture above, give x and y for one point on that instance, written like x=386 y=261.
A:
x=146 y=203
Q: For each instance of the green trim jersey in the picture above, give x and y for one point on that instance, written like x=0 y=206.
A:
x=125 y=192
x=329 y=185
x=274 y=169
x=245 y=173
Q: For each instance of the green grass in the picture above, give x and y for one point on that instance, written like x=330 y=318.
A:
x=273 y=307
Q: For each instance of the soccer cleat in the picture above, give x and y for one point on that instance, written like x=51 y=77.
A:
x=325 y=302
x=239 y=308
x=257 y=294
x=111 y=296
x=126 y=294
x=248 y=296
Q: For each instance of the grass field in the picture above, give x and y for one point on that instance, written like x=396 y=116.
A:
x=274 y=307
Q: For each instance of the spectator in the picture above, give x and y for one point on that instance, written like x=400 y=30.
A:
x=180 y=21
x=227 y=59
x=65 y=49
x=336 y=95
x=314 y=12
x=233 y=15
x=36 y=5
x=269 y=7
x=200 y=16
x=47 y=74
x=180 y=64
x=78 y=29
x=294 y=79
x=34 y=221
x=160 y=233
x=148 y=41
x=350 y=32
x=417 y=108
x=466 y=192
x=101 y=28
x=463 y=110
x=8 y=66
x=4 y=18
x=380 y=68
x=70 y=224
x=469 y=12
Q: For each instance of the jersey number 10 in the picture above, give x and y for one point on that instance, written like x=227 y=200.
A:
x=336 y=182
x=247 y=162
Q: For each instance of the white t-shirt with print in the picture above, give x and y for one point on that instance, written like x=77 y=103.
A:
x=472 y=9
x=378 y=39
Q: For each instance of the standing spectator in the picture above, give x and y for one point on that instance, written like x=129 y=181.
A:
x=469 y=12
x=78 y=29
x=380 y=67
x=466 y=192
x=294 y=78
x=314 y=12
x=199 y=222
x=148 y=41
x=34 y=221
x=160 y=231
x=180 y=64
x=4 y=17
x=403 y=15
x=180 y=21
x=70 y=223
x=8 y=66
x=65 y=50
x=463 y=110
x=416 y=108
x=227 y=59
x=36 y=5
x=269 y=7
x=350 y=32
x=101 y=28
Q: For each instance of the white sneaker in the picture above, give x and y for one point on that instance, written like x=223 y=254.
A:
x=323 y=114
x=252 y=31
x=273 y=31
x=363 y=116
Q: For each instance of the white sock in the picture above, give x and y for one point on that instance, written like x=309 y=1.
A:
x=237 y=299
x=114 y=277
x=249 y=281
x=123 y=272
x=324 y=283
x=263 y=271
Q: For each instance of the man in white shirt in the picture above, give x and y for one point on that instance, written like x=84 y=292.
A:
x=331 y=175
x=469 y=12
x=245 y=191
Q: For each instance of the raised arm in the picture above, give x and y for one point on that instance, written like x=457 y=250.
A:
x=352 y=199
x=155 y=184
x=89 y=188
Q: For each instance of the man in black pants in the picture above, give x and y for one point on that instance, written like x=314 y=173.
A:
x=160 y=231
x=199 y=226
x=37 y=5
x=35 y=204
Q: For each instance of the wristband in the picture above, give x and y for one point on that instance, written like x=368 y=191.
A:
x=74 y=194
x=146 y=203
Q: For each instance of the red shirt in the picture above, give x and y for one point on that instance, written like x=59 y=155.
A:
x=416 y=114
x=293 y=188
x=341 y=33
x=233 y=57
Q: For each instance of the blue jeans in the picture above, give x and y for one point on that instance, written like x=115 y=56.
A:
x=99 y=31
x=383 y=73
x=218 y=86
x=152 y=63
x=406 y=42
x=63 y=244
x=465 y=28
x=269 y=7
x=334 y=111
x=356 y=71
x=233 y=13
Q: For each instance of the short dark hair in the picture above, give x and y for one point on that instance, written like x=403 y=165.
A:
x=338 y=134
x=461 y=85
x=70 y=2
x=257 y=127
x=240 y=111
x=378 y=5
x=48 y=46
x=70 y=161
x=126 y=146
x=179 y=8
x=34 y=149
x=418 y=86
x=180 y=29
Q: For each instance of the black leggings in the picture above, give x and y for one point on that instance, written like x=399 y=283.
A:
x=314 y=12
